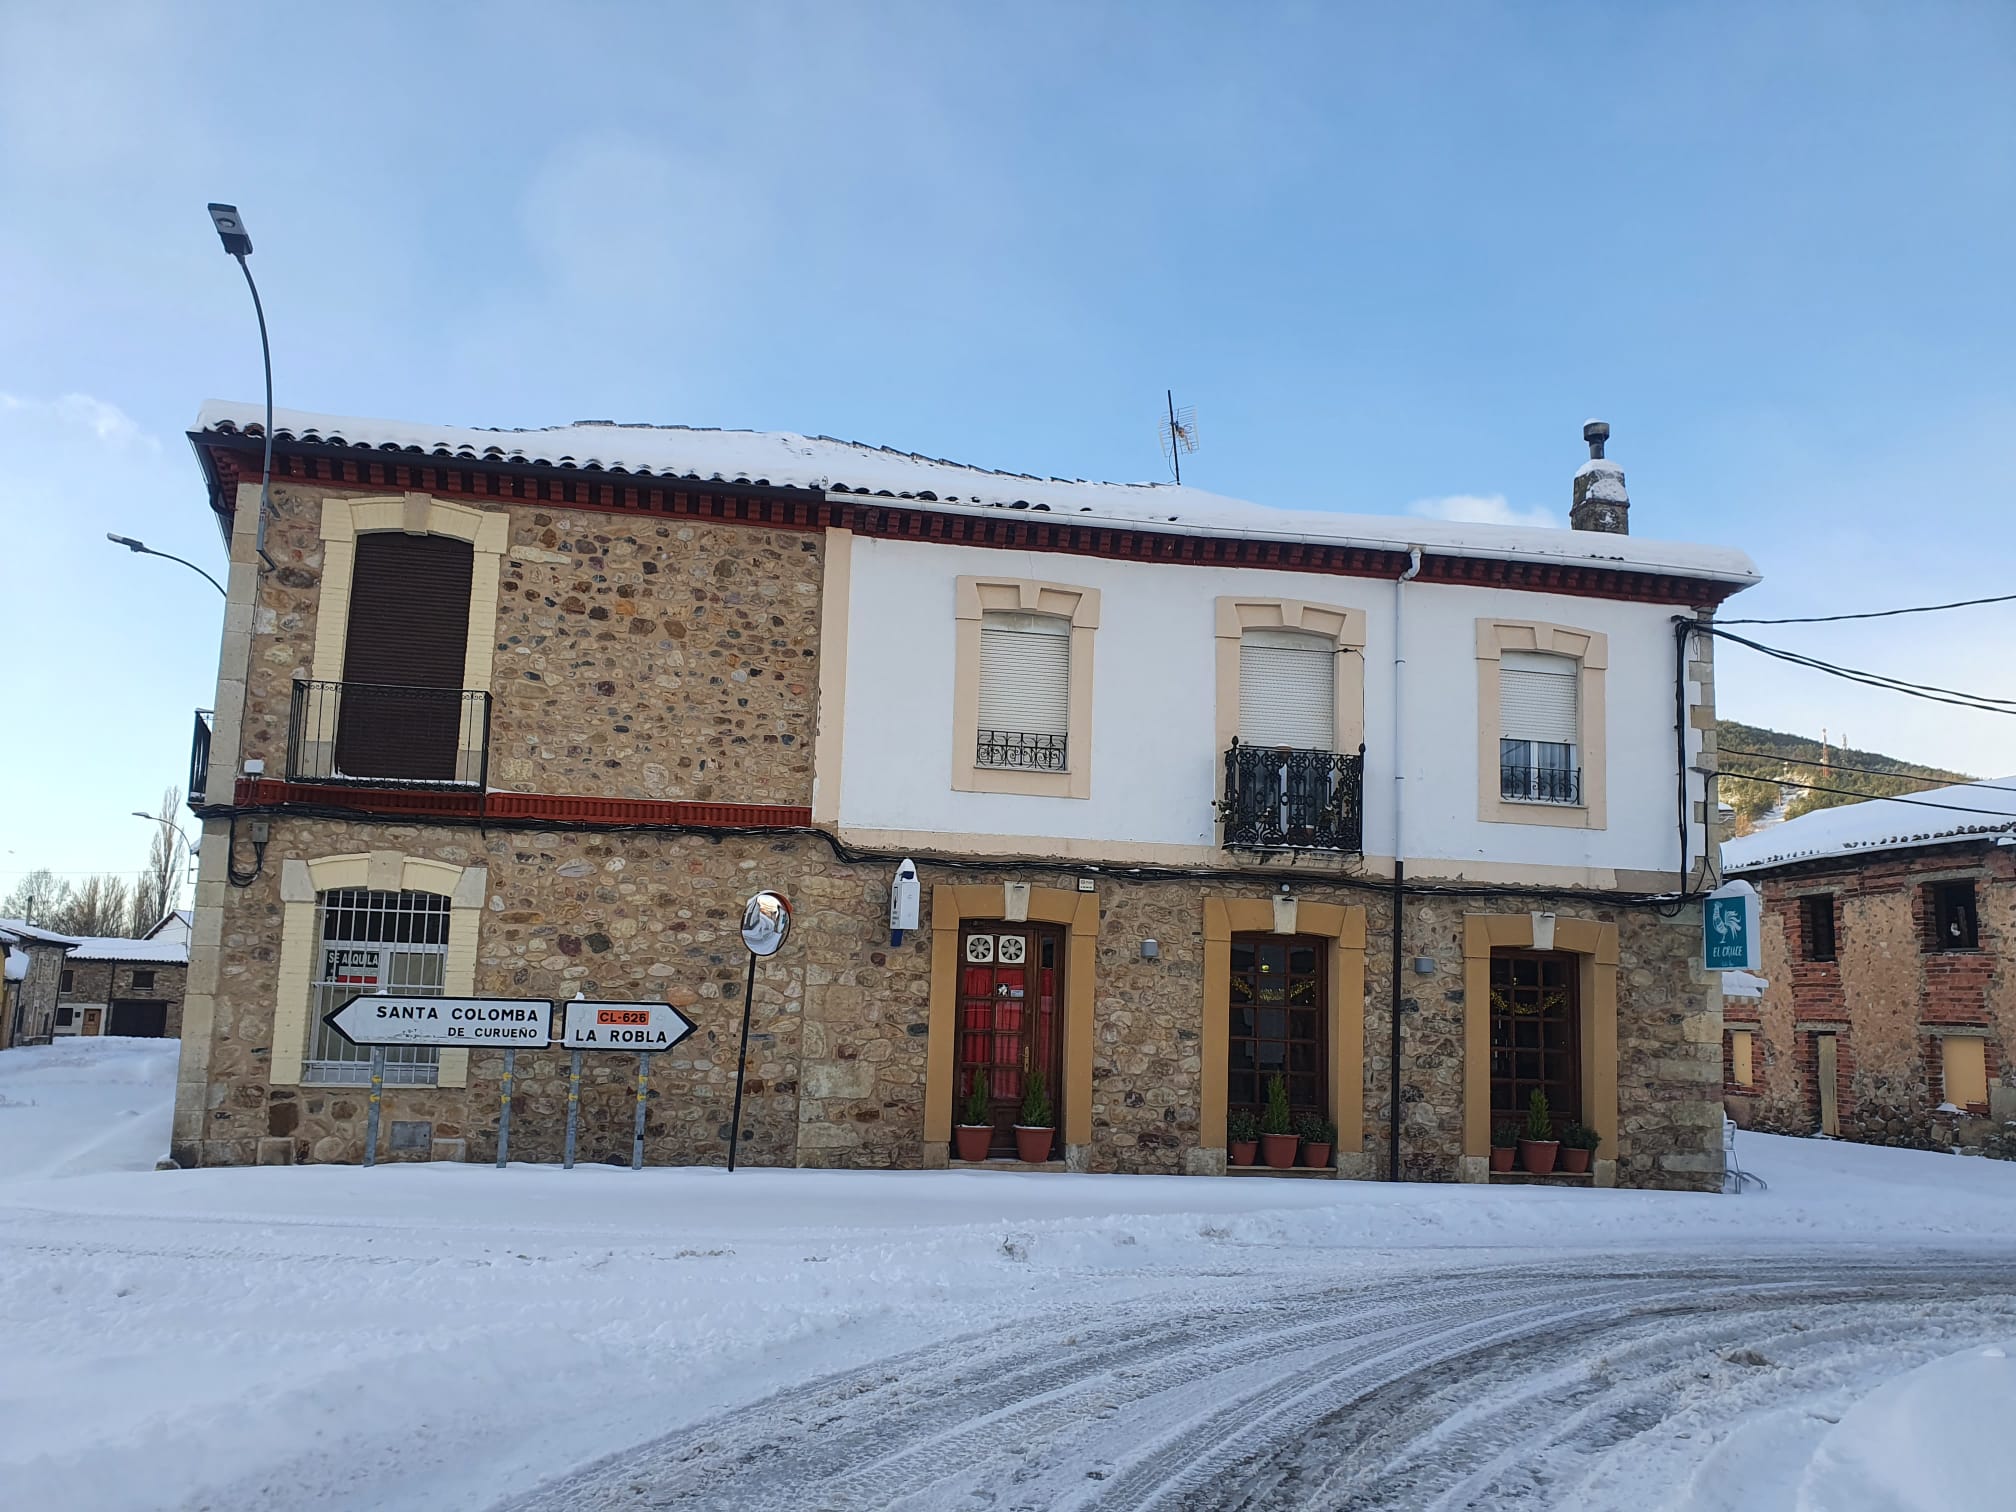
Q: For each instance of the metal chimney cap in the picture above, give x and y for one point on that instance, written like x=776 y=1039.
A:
x=1595 y=432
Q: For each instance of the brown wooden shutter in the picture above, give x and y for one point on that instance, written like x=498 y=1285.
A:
x=408 y=634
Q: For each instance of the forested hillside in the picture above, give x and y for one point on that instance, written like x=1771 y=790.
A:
x=1802 y=761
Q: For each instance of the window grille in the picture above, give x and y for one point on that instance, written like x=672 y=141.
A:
x=1025 y=691
x=1287 y=691
x=369 y=942
x=1539 y=725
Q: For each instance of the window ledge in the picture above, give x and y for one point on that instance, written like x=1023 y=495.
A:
x=1547 y=803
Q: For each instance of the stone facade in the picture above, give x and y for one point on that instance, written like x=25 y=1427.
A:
x=645 y=658
x=1887 y=998
x=30 y=1004
x=101 y=985
x=840 y=1037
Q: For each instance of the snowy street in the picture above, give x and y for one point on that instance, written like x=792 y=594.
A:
x=453 y=1336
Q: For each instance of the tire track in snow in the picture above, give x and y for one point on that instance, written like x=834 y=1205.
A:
x=1511 y=1385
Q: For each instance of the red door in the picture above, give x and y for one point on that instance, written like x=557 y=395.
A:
x=1011 y=1020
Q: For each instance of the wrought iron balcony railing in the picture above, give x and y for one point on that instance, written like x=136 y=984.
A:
x=199 y=758
x=1294 y=800
x=1019 y=752
x=376 y=735
x=1530 y=784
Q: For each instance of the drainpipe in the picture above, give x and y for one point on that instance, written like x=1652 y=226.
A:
x=1399 y=851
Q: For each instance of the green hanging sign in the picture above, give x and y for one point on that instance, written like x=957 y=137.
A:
x=1731 y=917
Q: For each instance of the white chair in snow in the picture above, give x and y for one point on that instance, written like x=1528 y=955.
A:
x=1734 y=1177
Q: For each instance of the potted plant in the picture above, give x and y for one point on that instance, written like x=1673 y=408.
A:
x=974 y=1134
x=1242 y=1138
x=1038 y=1125
x=1319 y=1138
x=1504 y=1144
x=1579 y=1144
x=1277 y=1127
x=1537 y=1146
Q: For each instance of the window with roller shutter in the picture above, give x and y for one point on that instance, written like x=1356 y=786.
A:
x=403 y=656
x=1025 y=691
x=1287 y=690
x=1539 y=726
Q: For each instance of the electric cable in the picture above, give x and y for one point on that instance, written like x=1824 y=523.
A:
x=1829 y=619
x=1957 y=808
x=1985 y=703
x=1842 y=766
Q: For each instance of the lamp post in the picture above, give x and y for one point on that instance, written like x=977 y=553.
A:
x=188 y=850
x=132 y=545
x=238 y=243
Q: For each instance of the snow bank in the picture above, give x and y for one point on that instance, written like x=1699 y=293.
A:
x=329 y=1336
x=1930 y=1440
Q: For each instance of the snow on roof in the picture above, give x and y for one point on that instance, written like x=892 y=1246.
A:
x=782 y=459
x=119 y=948
x=13 y=930
x=1743 y=984
x=1880 y=824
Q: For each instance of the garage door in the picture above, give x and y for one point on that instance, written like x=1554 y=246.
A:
x=139 y=1019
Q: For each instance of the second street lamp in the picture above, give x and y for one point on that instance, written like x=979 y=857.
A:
x=140 y=546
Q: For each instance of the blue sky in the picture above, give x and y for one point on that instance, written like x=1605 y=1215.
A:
x=1393 y=256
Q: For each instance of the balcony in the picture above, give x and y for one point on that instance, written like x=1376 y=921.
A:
x=1294 y=800
x=1531 y=784
x=1014 y=751
x=382 y=736
x=199 y=758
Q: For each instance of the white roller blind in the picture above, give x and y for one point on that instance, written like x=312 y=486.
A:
x=1536 y=697
x=1025 y=674
x=1287 y=691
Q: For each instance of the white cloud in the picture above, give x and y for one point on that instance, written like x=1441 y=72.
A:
x=105 y=420
x=1483 y=509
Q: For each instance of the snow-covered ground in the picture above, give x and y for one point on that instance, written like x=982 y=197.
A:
x=455 y=1336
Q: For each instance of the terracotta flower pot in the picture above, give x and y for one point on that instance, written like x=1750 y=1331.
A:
x=972 y=1140
x=1316 y=1156
x=1501 y=1157
x=1278 y=1150
x=1033 y=1145
x=1576 y=1162
x=1243 y=1151
x=1537 y=1155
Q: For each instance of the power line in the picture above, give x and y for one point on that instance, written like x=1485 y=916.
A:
x=1842 y=766
x=2008 y=814
x=1981 y=701
x=1828 y=619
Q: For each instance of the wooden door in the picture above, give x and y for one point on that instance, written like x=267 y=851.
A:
x=93 y=1019
x=401 y=714
x=1826 y=1070
x=1011 y=1020
x=1279 y=1023
x=1536 y=1035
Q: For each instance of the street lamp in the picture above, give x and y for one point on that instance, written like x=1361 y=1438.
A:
x=132 y=545
x=181 y=836
x=238 y=243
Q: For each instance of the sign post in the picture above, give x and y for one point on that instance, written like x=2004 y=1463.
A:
x=765 y=922
x=1731 y=917
x=378 y=1019
x=377 y=1096
x=646 y=1028
x=504 y=1108
x=573 y=1107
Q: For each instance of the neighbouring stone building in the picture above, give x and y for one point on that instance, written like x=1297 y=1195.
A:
x=530 y=714
x=33 y=977
x=129 y=987
x=1890 y=957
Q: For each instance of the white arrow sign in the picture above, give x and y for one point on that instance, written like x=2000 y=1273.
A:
x=624 y=1026
x=382 y=1019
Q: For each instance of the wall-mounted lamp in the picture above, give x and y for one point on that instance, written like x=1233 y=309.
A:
x=1151 y=950
x=1543 y=931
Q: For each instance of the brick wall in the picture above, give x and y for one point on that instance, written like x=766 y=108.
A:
x=1885 y=994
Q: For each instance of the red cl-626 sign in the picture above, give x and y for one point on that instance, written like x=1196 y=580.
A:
x=624 y=1026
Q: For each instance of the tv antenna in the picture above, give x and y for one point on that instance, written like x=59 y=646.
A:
x=1179 y=433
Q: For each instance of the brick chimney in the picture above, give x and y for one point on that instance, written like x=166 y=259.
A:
x=1600 y=500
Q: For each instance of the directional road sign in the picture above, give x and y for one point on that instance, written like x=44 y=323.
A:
x=382 y=1019
x=643 y=1027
